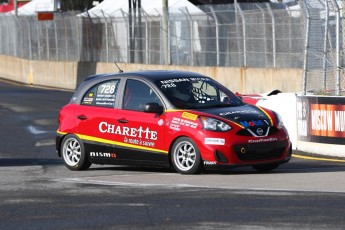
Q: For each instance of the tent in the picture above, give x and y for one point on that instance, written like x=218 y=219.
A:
x=120 y=8
x=36 y=5
x=111 y=8
x=6 y=7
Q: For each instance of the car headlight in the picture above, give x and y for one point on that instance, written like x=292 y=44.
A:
x=279 y=120
x=214 y=124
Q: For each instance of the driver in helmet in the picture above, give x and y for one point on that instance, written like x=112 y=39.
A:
x=183 y=93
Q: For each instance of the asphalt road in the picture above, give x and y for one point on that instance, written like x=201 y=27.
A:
x=39 y=192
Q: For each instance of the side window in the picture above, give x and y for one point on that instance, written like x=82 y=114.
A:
x=137 y=95
x=101 y=95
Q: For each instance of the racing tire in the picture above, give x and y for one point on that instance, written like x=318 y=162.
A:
x=73 y=153
x=265 y=167
x=185 y=156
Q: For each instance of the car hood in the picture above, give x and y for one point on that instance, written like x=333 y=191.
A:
x=245 y=115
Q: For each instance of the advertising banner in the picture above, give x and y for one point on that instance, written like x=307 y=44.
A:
x=321 y=119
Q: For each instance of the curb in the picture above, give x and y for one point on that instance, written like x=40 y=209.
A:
x=316 y=156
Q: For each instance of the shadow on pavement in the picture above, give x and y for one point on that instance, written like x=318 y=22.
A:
x=29 y=162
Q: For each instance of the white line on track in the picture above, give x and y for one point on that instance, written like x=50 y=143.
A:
x=244 y=189
x=35 y=131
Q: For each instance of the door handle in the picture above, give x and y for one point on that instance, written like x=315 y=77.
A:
x=82 y=117
x=122 y=121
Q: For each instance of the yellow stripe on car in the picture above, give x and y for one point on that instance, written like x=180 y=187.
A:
x=271 y=121
x=105 y=141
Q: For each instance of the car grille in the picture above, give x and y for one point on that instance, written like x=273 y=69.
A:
x=260 y=151
x=245 y=132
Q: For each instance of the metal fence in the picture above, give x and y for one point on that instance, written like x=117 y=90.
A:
x=324 y=55
x=297 y=34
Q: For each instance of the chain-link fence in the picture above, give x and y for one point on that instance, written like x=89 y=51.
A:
x=323 y=47
x=296 y=34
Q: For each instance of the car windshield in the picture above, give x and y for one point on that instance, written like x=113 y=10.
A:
x=197 y=93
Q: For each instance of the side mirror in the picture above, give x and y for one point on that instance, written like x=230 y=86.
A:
x=153 y=108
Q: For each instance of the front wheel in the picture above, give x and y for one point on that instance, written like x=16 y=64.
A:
x=265 y=167
x=73 y=153
x=185 y=156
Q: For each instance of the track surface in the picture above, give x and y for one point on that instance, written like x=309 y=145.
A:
x=38 y=192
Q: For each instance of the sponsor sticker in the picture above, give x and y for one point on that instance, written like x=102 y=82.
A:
x=88 y=99
x=247 y=111
x=214 y=141
x=176 y=124
x=253 y=123
x=140 y=132
x=263 y=140
x=103 y=155
x=189 y=116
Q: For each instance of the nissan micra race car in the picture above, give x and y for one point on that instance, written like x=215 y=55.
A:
x=167 y=118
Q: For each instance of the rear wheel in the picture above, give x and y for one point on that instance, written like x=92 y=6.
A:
x=73 y=153
x=185 y=156
x=265 y=167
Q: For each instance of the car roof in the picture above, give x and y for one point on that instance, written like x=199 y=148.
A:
x=151 y=75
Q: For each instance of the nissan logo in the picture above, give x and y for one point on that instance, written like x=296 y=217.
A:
x=259 y=131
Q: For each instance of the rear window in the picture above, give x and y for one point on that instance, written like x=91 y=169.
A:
x=102 y=94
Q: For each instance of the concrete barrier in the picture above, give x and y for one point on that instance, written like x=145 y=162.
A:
x=285 y=105
x=67 y=75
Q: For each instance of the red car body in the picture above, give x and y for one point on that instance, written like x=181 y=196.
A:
x=99 y=126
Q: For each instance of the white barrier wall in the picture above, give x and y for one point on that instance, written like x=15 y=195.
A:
x=68 y=75
x=286 y=105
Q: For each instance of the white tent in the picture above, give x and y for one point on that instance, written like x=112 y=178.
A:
x=111 y=8
x=36 y=6
x=120 y=9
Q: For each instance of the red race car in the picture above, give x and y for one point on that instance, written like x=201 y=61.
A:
x=167 y=118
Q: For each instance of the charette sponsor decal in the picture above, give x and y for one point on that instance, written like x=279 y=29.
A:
x=137 y=136
x=214 y=141
x=140 y=132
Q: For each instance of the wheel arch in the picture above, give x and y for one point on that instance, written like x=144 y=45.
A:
x=172 y=144
x=58 y=141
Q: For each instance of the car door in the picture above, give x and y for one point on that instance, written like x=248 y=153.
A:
x=96 y=120
x=143 y=134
